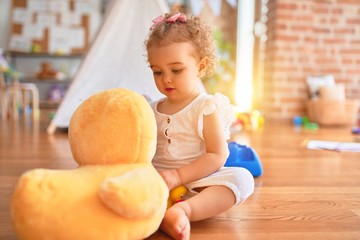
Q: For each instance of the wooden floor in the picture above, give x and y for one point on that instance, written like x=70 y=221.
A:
x=303 y=194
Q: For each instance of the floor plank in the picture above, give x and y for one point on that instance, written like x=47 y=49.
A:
x=303 y=194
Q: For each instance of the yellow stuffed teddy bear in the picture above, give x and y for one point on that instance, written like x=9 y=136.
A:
x=115 y=193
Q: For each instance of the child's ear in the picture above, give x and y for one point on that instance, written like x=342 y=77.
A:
x=202 y=66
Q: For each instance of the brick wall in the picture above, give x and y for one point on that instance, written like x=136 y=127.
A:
x=309 y=37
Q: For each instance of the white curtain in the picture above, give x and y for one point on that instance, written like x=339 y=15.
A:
x=116 y=57
x=215 y=5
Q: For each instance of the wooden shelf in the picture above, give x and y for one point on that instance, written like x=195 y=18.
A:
x=47 y=55
x=47 y=80
x=47 y=104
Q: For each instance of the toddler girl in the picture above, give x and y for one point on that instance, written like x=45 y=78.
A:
x=193 y=127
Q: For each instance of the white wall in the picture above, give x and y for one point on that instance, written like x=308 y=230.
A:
x=5 y=11
x=28 y=66
x=5 y=6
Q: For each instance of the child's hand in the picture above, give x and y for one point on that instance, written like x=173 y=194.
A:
x=171 y=178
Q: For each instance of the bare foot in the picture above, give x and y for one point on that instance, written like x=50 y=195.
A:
x=176 y=223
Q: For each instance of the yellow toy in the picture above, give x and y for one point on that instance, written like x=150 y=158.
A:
x=115 y=193
x=176 y=195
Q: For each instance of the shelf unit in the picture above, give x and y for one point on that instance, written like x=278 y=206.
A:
x=29 y=64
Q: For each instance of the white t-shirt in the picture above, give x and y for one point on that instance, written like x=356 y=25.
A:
x=180 y=138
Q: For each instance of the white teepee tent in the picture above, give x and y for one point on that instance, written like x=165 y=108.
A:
x=116 y=57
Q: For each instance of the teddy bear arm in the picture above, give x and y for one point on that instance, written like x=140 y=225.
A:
x=137 y=194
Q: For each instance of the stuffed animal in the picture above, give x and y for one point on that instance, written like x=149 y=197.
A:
x=46 y=71
x=115 y=193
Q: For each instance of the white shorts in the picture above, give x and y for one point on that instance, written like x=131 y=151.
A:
x=238 y=179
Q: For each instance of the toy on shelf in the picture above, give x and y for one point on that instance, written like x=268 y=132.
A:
x=244 y=156
x=4 y=66
x=56 y=93
x=47 y=72
x=355 y=130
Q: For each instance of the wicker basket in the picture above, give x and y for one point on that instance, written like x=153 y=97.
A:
x=331 y=112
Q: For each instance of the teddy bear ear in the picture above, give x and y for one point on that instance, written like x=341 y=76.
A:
x=113 y=126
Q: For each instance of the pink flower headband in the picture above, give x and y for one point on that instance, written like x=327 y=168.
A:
x=160 y=19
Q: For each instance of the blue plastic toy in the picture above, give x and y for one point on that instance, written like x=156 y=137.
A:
x=244 y=156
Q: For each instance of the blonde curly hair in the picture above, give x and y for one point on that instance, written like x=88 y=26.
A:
x=193 y=31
